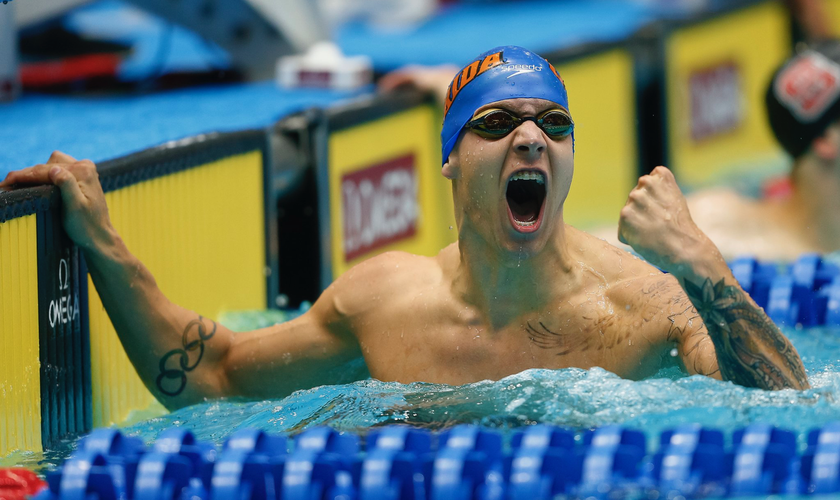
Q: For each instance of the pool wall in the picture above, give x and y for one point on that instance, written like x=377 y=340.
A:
x=192 y=211
x=194 y=215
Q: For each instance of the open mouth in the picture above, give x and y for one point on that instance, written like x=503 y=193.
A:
x=525 y=198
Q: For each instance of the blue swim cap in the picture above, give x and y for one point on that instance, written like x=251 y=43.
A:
x=508 y=72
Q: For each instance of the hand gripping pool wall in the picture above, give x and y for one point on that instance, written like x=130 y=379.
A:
x=193 y=212
x=44 y=350
x=600 y=81
x=716 y=72
x=379 y=181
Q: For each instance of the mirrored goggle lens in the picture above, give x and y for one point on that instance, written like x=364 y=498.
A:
x=556 y=123
x=496 y=123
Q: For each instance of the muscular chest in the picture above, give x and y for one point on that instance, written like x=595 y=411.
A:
x=454 y=348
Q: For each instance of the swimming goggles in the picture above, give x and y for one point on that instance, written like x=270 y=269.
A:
x=497 y=123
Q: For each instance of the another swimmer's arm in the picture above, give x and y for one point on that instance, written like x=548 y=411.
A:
x=751 y=350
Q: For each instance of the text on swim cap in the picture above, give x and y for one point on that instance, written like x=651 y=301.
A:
x=468 y=74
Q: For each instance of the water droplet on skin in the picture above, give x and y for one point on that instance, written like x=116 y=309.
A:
x=667 y=216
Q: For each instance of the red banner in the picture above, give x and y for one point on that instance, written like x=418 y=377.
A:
x=380 y=206
x=716 y=100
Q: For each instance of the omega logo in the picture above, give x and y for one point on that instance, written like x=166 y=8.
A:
x=65 y=308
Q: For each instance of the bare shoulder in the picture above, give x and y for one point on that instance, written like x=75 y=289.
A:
x=721 y=210
x=741 y=225
x=612 y=263
x=630 y=280
x=381 y=279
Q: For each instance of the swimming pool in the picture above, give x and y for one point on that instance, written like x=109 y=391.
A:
x=571 y=397
x=574 y=398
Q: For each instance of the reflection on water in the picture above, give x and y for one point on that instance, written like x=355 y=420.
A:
x=572 y=397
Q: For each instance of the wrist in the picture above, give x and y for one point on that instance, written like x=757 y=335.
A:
x=698 y=259
x=107 y=245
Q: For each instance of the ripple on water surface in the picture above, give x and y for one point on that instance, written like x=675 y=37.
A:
x=571 y=397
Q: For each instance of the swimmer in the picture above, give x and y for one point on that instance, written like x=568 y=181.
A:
x=518 y=290
x=803 y=107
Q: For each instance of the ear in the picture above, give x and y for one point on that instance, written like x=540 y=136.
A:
x=451 y=170
x=826 y=147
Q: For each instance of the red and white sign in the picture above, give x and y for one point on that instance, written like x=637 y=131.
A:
x=809 y=86
x=716 y=100
x=380 y=206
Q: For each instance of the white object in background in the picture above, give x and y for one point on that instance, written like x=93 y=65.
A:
x=387 y=15
x=9 y=81
x=324 y=66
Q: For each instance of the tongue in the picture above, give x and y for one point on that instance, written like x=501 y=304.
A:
x=525 y=199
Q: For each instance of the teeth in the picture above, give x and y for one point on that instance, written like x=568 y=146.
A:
x=525 y=224
x=529 y=176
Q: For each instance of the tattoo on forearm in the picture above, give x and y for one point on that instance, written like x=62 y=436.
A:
x=195 y=334
x=751 y=350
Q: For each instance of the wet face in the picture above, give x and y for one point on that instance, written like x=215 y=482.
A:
x=510 y=190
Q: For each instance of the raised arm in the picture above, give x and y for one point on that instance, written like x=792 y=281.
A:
x=750 y=349
x=181 y=356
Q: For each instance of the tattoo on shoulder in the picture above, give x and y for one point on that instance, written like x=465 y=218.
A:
x=175 y=364
x=751 y=349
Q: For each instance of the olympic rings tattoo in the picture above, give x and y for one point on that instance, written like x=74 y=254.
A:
x=183 y=355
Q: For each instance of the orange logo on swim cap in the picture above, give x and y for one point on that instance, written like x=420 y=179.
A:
x=554 y=70
x=468 y=74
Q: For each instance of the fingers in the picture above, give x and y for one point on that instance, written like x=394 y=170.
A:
x=57 y=157
x=394 y=80
x=664 y=172
x=38 y=174
x=71 y=194
x=427 y=78
x=621 y=237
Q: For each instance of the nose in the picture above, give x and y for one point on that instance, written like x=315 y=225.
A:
x=529 y=140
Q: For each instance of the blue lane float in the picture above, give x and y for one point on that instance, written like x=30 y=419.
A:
x=465 y=462
x=805 y=293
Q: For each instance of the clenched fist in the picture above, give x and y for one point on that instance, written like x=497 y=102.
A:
x=656 y=223
x=86 y=217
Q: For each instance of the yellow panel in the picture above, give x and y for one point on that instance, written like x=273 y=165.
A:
x=411 y=132
x=20 y=376
x=602 y=102
x=201 y=234
x=833 y=10
x=755 y=41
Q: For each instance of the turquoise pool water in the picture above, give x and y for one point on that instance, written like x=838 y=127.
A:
x=574 y=398
x=571 y=397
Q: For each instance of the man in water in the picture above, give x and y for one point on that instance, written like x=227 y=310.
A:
x=803 y=108
x=519 y=289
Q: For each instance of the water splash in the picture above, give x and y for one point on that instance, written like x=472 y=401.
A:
x=572 y=397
